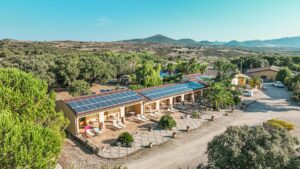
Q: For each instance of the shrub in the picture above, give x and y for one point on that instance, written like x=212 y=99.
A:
x=167 y=122
x=195 y=115
x=125 y=138
x=252 y=147
x=237 y=100
x=280 y=124
x=79 y=87
x=136 y=87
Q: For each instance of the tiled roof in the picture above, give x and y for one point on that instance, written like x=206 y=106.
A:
x=273 y=68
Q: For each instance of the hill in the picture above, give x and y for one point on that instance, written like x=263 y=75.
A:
x=286 y=42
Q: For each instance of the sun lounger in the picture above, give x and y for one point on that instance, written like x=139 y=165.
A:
x=144 y=117
x=89 y=132
x=97 y=130
x=116 y=125
x=153 y=115
x=121 y=124
x=139 y=118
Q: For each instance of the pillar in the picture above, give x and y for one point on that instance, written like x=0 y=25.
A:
x=122 y=114
x=77 y=126
x=192 y=97
x=156 y=105
x=101 y=120
x=142 y=108
x=182 y=98
x=171 y=101
x=201 y=93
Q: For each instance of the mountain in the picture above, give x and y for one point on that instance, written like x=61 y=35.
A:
x=287 y=42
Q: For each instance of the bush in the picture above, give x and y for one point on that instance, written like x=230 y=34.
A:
x=79 y=88
x=136 y=87
x=167 y=122
x=195 y=115
x=280 y=124
x=125 y=138
x=237 y=100
x=252 y=147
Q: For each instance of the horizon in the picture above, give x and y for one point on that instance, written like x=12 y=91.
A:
x=116 y=20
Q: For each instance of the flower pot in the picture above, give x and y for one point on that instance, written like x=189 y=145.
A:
x=174 y=135
x=150 y=145
x=188 y=128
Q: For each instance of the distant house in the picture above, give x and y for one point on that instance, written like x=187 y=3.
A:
x=209 y=74
x=265 y=73
x=240 y=79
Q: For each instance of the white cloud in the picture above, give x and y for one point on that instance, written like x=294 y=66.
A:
x=103 y=21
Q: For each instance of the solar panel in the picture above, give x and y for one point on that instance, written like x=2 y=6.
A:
x=171 y=90
x=104 y=101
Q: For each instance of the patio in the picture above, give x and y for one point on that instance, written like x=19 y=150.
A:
x=143 y=136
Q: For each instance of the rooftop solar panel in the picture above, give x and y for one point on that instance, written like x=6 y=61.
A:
x=171 y=90
x=104 y=101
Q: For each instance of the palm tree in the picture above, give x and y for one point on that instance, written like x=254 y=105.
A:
x=219 y=95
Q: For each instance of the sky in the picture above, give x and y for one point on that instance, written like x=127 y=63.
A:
x=112 y=20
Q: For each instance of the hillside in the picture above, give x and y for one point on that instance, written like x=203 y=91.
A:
x=286 y=42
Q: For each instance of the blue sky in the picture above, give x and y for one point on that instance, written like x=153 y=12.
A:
x=110 y=20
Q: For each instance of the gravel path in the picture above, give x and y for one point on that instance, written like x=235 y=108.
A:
x=188 y=150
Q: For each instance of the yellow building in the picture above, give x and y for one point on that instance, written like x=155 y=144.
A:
x=101 y=110
x=240 y=79
x=265 y=73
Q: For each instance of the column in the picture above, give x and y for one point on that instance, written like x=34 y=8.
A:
x=156 y=105
x=192 y=97
x=76 y=126
x=142 y=108
x=201 y=93
x=122 y=114
x=182 y=98
x=101 y=120
x=171 y=102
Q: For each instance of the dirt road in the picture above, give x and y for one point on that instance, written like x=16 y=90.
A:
x=189 y=151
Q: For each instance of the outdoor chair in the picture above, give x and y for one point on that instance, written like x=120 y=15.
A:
x=154 y=115
x=140 y=119
x=97 y=130
x=144 y=117
x=89 y=132
x=116 y=125
x=119 y=122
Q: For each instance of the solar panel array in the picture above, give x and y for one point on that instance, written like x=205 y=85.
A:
x=171 y=90
x=101 y=102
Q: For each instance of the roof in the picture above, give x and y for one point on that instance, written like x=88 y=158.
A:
x=267 y=68
x=242 y=76
x=170 y=90
x=91 y=103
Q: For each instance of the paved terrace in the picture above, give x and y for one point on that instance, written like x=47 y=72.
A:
x=142 y=139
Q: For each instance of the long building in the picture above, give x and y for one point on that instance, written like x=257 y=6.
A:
x=98 y=109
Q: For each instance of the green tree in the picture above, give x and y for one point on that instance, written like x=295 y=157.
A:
x=92 y=69
x=225 y=69
x=219 y=95
x=28 y=98
x=171 y=67
x=67 y=69
x=79 y=88
x=283 y=74
x=149 y=74
x=24 y=145
x=252 y=147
